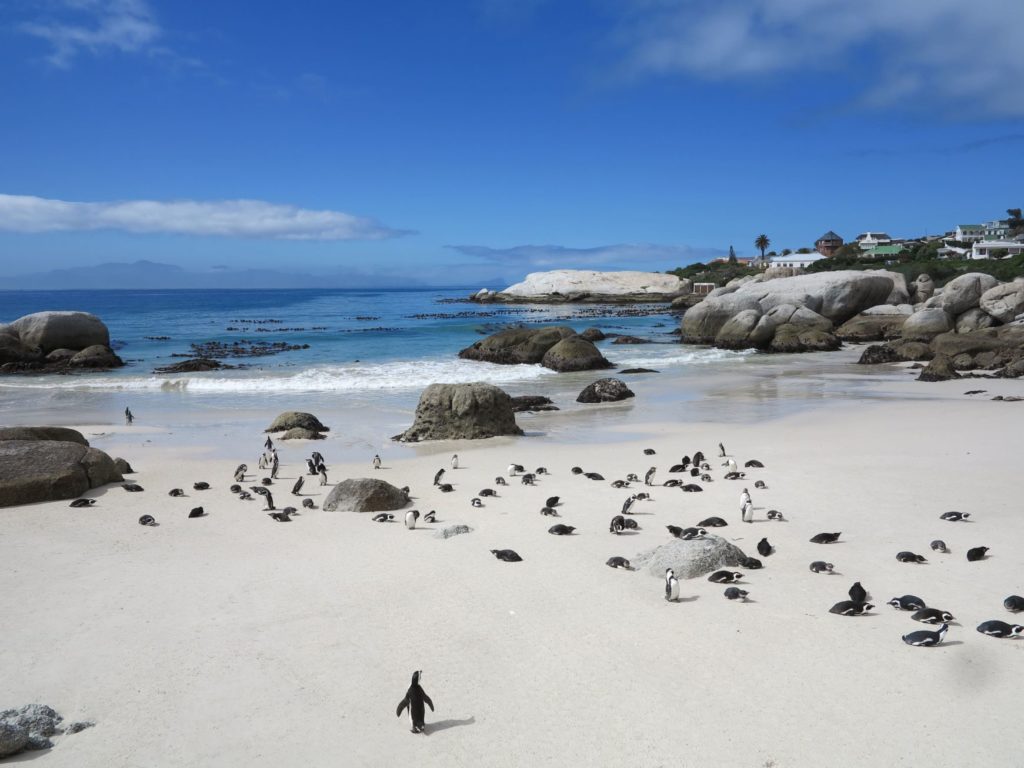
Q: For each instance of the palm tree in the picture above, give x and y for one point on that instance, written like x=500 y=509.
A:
x=762 y=243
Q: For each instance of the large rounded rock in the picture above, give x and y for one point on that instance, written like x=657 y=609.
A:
x=690 y=559
x=48 y=470
x=461 y=412
x=939 y=369
x=13 y=739
x=605 y=391
x=796 y=338
x=365 y=495
x=96 y=356
x=1003 y=302
x=875 y=324
x=593 y=334
x=292 y=419
x=973 y=320
x=735 y=334
x=574 y=354
x=13 y=351
x=878 y=354
x=516 y=345
x=927 y=323
x=962 y=293
x=60 y=434
x=702 y=323
x=56 y=330
x=922 y=289
x=301 y=433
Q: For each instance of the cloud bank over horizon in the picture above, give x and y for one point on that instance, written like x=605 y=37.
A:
x=254 y=219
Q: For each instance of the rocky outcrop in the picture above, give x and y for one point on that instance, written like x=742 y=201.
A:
x=974 y=319
x=574 y=354
x=926 y=324
x=60 y=434
x=939 y=369
x=962 y=293
x=1003 y=302
x=461 y=412
x=193 y=365
x=365 y=495
x=301 y=433
x=61 y=330
x=605 y=391
x=875 y=324
x=593 y=334
x=49 y=470
x=922 y=289
x=31 y=727
x=532 y=403
x=690 y=559
x=96 y=356
x=572 y=285
x=516 y=345
x=631 y=340
x=986 y=349
x=292 y=419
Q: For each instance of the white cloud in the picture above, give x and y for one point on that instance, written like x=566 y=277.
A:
x=222 y=218
x=97 y=26
x=558 y=256
x=939 y=53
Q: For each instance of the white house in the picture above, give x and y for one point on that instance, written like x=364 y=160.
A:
x=868 y=240
x=795 y=260
x=997 y=230
x=968 y=233
x=983 y=248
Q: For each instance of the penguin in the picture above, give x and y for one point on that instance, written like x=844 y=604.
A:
x=383 y=517
x=744 y=498
x=627 y=505
x=932 y=616
x=620 y=484
x=576 y=470
x=672 y=483
x=310 y=467
x=825 y=538
x=266 y=495
x=318 y=458
x=245 y=496
x=527 y=479
x=507 y=555
x=323 y=475
x=760 y=485
x=735 y=593
x=553 y=501
x=649 y=477
x=548 y=512
x=499 y=480
x=1014 y=603
x=850 y=608
x=954 y=516
x=688 y=534
x=455 y=461
x=712 y=522
x=675 y=468
x=643 y=497
x=675 y=530
x=698 y=458
x=617 y=525
x=730 y=465
x=430 y=517
x=133 y=488
x=907 y=603
x=376 y=461
x=691 y=488
x=923 y=638
x=411 y=517
x=910 y=557
x=147 y=520
x=513 y=469
x=753 y=463
x=632 y=478
x=275 y=465
x=748 y=513
x=820 y=566
x=996 y=628
x=764 y=548
x=734 y=475
x=235 y=488
x=476 y=502
x=561 y=530
x=977 y=553
x=446 y=487
x=240 y=473
x=297 y=488
x=706 y=479
x=594 y=476
x=307 y=504
x=857 y=593
x=774 y=514
x=671 y=586
x=541 y=471
x=619 y=562
x=695 y=472
x=725 y=577
x=175 y=492
x=721 y=451
x=414 y=700
x=939 y=546
x=751 y=563
x=438 y=475
x=79 y=503
x=648 y=451
x=280 y=517
x=485 y=492
x=266 y=481
x=268 y=443
x=196 y=512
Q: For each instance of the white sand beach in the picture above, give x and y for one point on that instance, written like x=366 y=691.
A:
x=232 y=640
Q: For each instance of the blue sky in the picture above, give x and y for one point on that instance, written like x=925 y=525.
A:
x=480 y=139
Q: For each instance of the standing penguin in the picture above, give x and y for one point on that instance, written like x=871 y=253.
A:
x=671 y=586
x=744 y=498
x=414 y=699
x=721 y=451
x=438 y=475
x=376 y=461
x=323 y=475
x=410 y=518
x=748 y=513
x=455 y=461
x=649 y=477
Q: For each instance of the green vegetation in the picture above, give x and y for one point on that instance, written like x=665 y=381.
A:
x=761 y=243
x=718 y=273
x=923 y=261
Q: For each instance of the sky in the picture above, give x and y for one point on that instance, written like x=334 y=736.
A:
x=476 y=140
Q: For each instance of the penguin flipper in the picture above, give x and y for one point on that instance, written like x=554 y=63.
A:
x=402 y=705
x=428 y=702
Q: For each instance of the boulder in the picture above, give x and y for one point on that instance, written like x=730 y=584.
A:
x=96 y=356
x=927 y=323
x=690 y=559
x=992 y=347
x=795 y=338
x=292 y=419
x=31 y=727
x=593 y=334
x=13 y=739
x=57 y=330
x=1003 y=302
x=702 y=323
x=1015 y=369
x=301 y=433
x=60 y=434
x=461 y=412
x=912 y=350
x=605 y=391
x=574 y=354
x=516 y=345
x=735 y=334
x=962 y=293
x=570 y=283
x=922 y=289
x=122 y=466
x=365 y=495
x=13 y=351
x=60 y=355
x=973 y=320
x=875 y=325
x=452 y=530
x=939 y=369
x=630 y=340
x=50 y=470
x=532 y=403
x=877 y=354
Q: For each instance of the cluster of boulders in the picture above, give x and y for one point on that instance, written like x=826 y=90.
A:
x=297 y=425
x=56 y=341
x=559 y=348
x=51 y=463
x=972 y=323
x=31 y=727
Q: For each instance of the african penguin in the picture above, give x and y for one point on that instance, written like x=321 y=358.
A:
x=414 y=700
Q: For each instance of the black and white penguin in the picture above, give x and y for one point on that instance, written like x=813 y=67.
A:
x=706 y=479
x=455 y=461
x=760 y=484
x=411 y=518
x=297 y=488
x=977 y=553
x=857 y=593
x=527 y=479
x=275 y=465
x=80 y=503
x=147 y=520
x=820 y=566
x=688 y=534
x=594 y=476
x=691 y=488
x=649 y=476
x=850 y=608
x=376 y=461
x=954 y=516
x=910 y=557
x=310 y=467
x=923 y=638
x=266 y=481
x=698 y=458
x=485 y=492
x=725 y=577
x=712 y=522
x=245 y=496
x=907 y=603
x=753 y=463
x=549 y=512
x=643 y=497
x=507 y=555
x=734 y=475
x=577 y=470
x=939 y=546
x=446 y=487
x=541 y=471
x=561 y=530
x=499 y=480
x=1014 y=603
x=514 y=469
x=430 y=517
x=323 y=475
x=630 y=524
x=627 y=505
x=553 y=501
x=932 y=616
x=735 y=593
x=240 y=473
x=764 y=548
x=265 y=494
x=308 y=504
x=383 y=517
x=730 y=465
x=632 y=478
x=648 y=451
x=747 y=513
x=751 y=563
x=695 y=472
x=721 y=451
x=671 y=586
x=476 y=502
x=825 y=538
x=996 y=628
x=619 y=562
x=175 y=492
x=744 y=498
x=774 y=514
x=438 y=475
x=235 y=488
x=617 y=525
x=675 y=468
x=280 y=517
x=414 y=700
x=196 y=512
x=620 y=484
x=201 y=486
x=268 y=443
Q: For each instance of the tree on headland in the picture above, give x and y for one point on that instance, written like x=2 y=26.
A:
x=762 y=244
x=732 y=255
x=1016 y=222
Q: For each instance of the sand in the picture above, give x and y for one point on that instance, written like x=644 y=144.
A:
x=232 y=640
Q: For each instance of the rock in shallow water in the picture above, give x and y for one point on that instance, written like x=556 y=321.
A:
x=605 y=391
